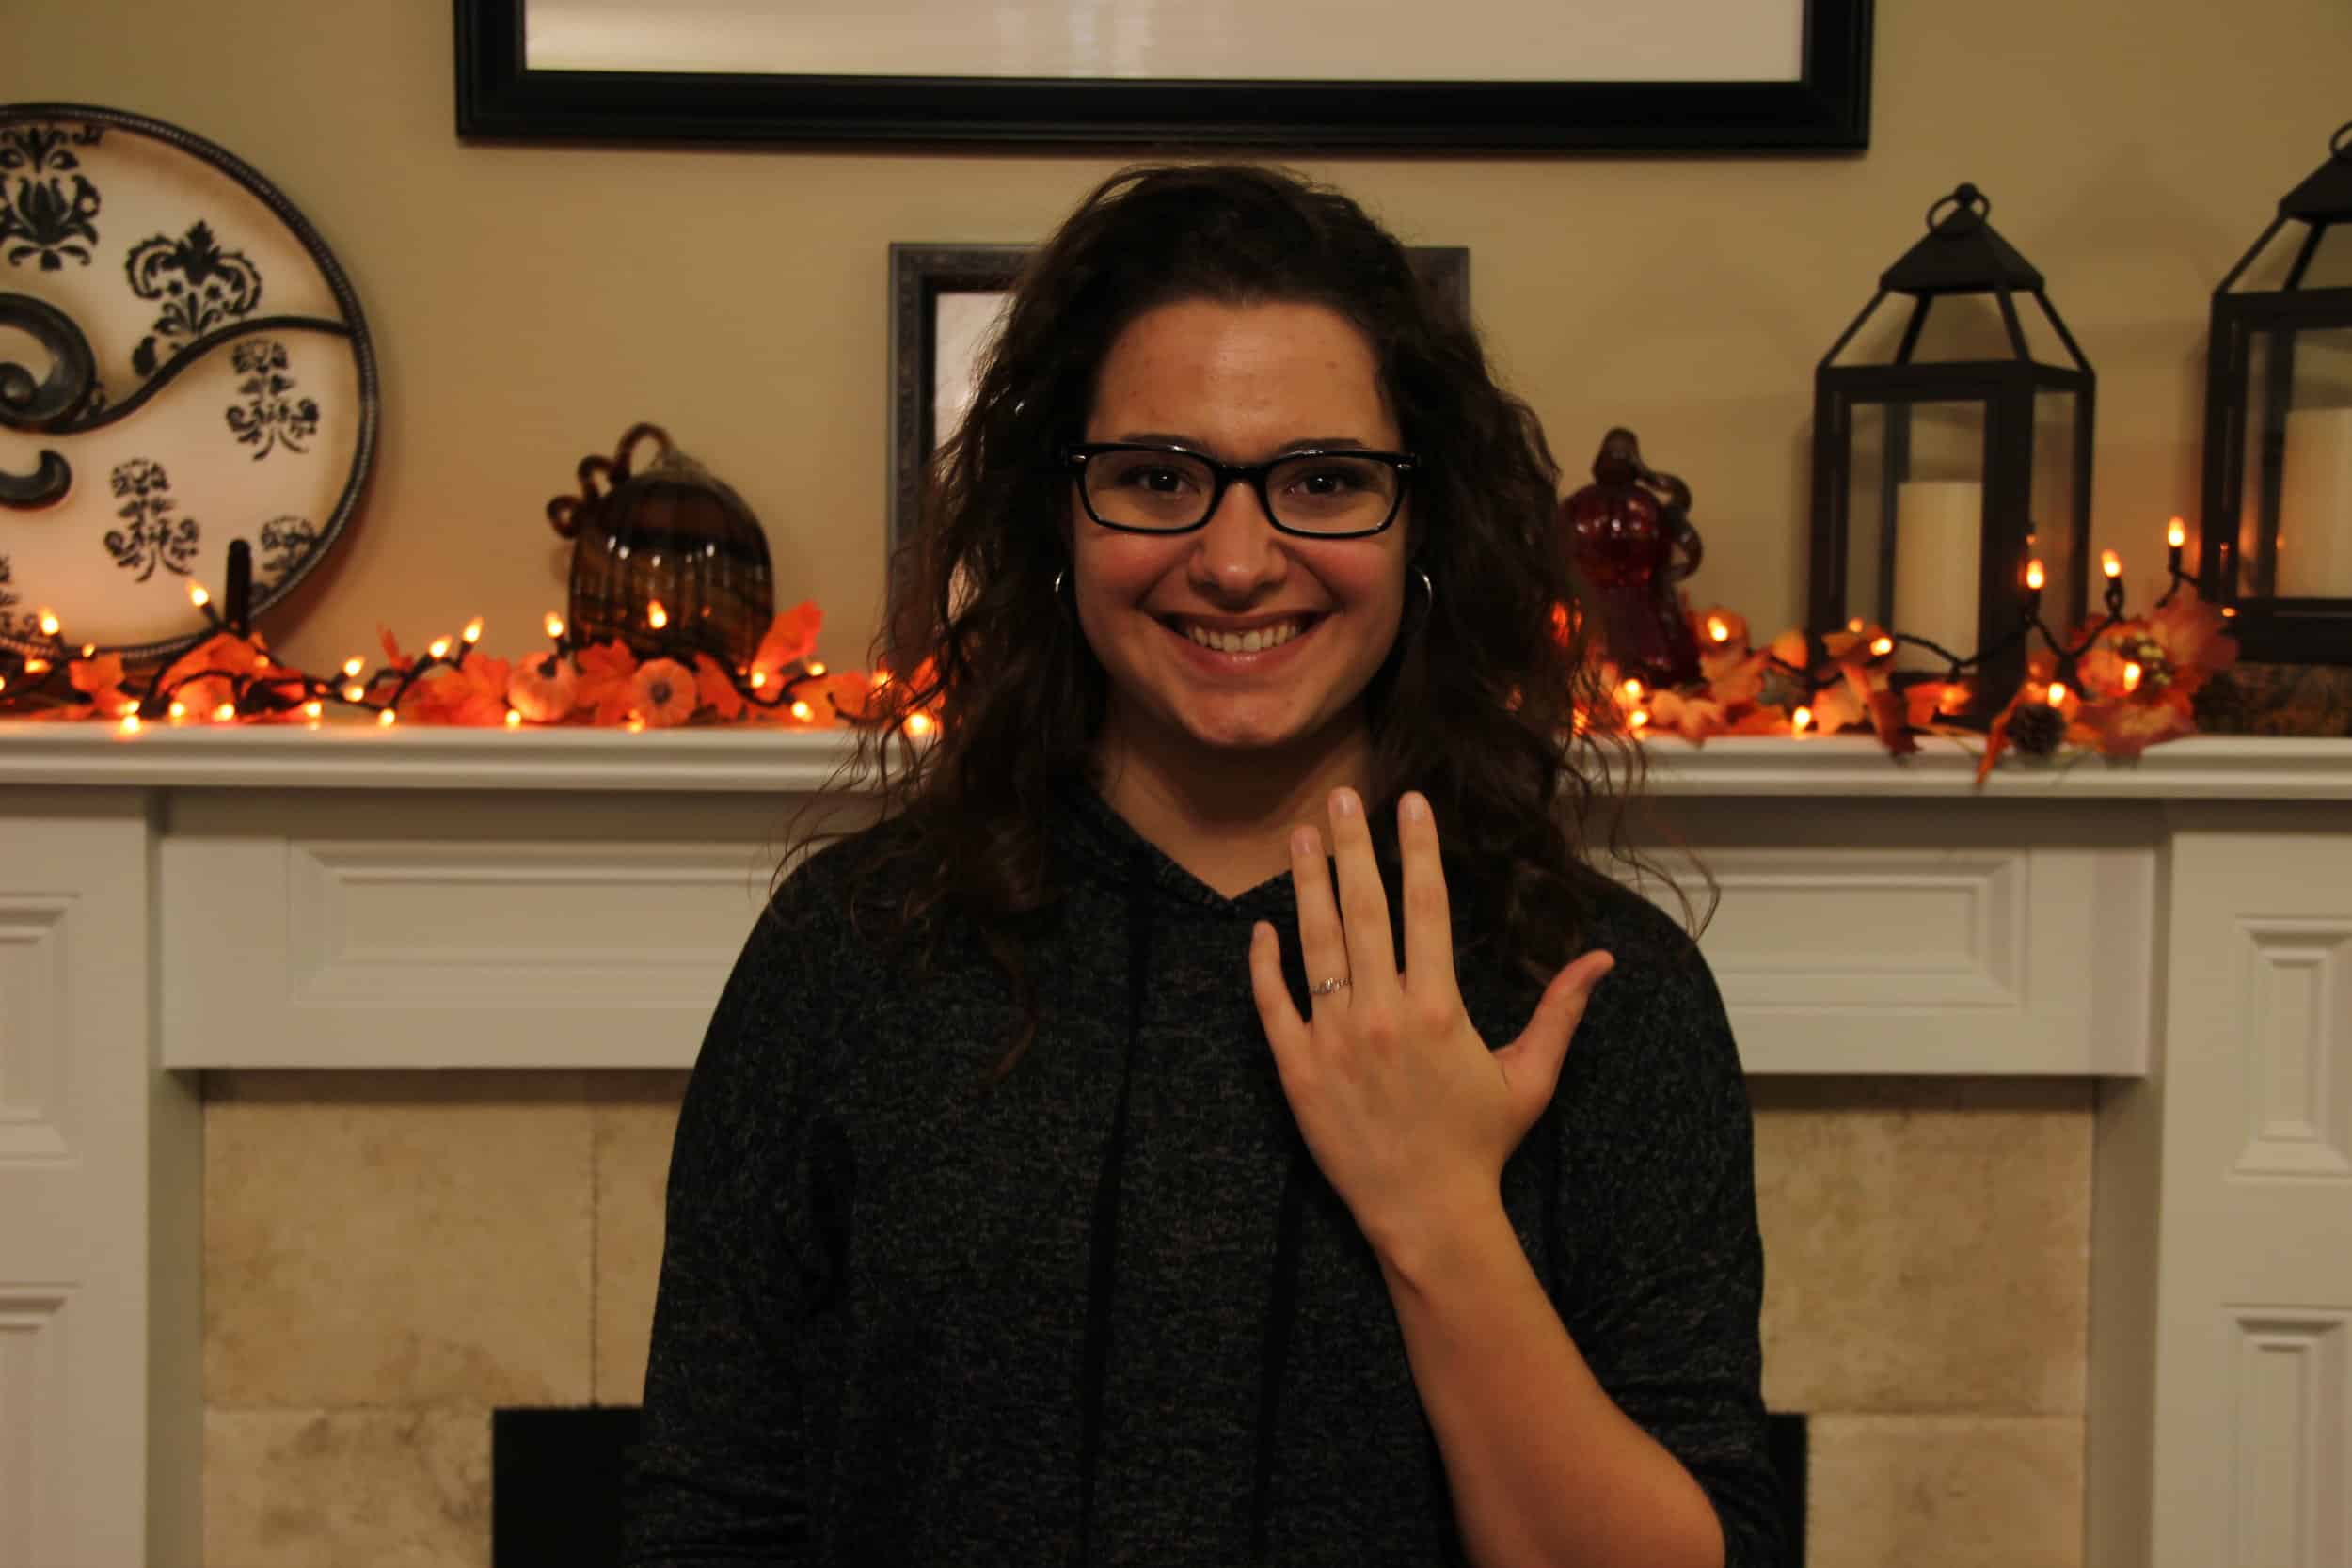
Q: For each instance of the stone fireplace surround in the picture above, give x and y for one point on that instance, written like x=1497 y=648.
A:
x=337 y=1070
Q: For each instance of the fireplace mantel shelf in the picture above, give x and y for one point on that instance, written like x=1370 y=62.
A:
x=798 y=761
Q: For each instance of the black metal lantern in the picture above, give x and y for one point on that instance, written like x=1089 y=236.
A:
x=1936 y=482
x=2277 y=540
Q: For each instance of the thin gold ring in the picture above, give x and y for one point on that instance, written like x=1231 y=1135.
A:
x=1324 y=988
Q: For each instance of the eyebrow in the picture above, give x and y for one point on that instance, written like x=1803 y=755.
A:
x=1162 y=437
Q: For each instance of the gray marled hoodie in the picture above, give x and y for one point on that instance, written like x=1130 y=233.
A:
x=1108 y=1312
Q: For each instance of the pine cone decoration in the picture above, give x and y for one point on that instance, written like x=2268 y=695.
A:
x=2036 y=729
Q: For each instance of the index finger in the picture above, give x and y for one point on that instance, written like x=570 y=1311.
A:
x=1428 y=917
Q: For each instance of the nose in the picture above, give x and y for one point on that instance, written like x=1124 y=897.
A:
x=1238 y=551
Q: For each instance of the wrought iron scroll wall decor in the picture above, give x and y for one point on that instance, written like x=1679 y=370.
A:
x=923 y=278
x=1823 y=106
x=207 y=381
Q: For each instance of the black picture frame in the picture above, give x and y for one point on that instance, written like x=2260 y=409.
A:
x=1826 y=109
x=921 y=274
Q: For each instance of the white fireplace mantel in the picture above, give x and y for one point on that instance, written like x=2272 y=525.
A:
x=2177 y=930
x=361 y=756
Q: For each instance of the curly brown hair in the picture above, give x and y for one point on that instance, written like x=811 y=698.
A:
x=1478 y=704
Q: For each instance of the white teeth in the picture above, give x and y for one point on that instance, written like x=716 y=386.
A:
x=1247 y=641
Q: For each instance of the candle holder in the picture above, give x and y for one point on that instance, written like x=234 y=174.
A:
x=2276 y=540
x=1936 y=479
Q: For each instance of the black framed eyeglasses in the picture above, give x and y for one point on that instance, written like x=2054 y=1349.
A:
x=1318 y=493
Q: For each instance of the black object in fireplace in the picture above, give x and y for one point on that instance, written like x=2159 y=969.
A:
x=556 y=1475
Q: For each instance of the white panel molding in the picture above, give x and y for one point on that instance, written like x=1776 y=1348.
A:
x=2253 y=1277
x=33 y=1386
x=2020 y=940
x=1876 y=929
x=2291 y=1380
x=36 y=1110
x=2297 y=1005
x=517 y=925
x=590 y=948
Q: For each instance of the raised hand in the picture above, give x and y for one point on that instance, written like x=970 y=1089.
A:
x=1404 y=1108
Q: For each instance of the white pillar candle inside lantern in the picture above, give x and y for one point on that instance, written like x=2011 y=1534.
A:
x=2316 y=505
x=1938 y=537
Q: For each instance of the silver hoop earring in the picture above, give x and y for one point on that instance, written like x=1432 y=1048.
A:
x=1058 y=580
x=1430 y=590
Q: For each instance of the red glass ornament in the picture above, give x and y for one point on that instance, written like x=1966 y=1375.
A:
x=1630 y=536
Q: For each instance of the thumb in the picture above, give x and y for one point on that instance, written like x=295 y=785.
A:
x=1531 y=1063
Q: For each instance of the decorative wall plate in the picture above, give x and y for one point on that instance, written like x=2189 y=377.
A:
x=182 y=364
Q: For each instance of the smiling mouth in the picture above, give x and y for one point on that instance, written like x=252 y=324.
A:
x=1257 y=640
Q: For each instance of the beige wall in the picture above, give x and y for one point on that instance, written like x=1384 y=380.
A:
x=528 y=302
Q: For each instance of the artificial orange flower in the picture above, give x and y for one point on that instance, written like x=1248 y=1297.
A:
x=100 y=681
x=222 y=652
x=606 y=672
x=662 y=692
x=1693 y=717
x=472 y=694
x=842 y=693
x=1734 y=673
x=2127 y=729
x=1926 y=702
x=791 y=637
x=715 y=688
x=204 y=697
x=1836 y=708
x=2178 y=648
x=2191 y=634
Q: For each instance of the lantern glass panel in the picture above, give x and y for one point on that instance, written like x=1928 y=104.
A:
x=1916 y=505
x=2294 y=510
x=2050 y=537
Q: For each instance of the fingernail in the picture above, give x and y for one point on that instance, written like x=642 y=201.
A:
x=1303 y=841
x=1343 y=802
x=1416 y=807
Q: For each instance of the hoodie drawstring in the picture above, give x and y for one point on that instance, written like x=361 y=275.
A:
x=1103 y=1242
x=1280 y=1304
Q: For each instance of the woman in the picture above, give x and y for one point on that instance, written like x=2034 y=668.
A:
x=1096 y=1163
